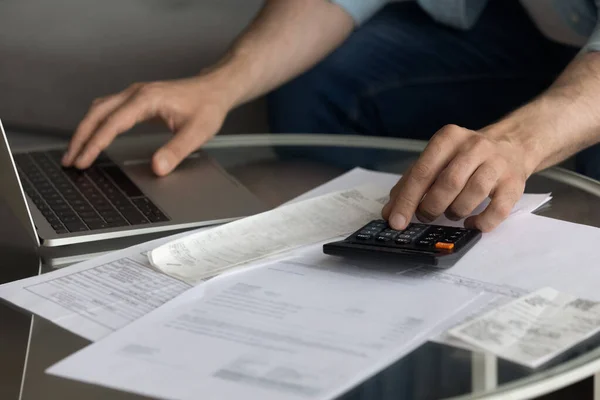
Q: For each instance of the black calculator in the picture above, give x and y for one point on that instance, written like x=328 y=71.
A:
x=419 y=244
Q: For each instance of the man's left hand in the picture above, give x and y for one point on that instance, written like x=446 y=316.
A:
x=456 y=172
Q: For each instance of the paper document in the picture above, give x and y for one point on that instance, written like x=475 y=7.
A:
x=535 y=328
x=206 y=254
x=98 y=296
x=297 y=329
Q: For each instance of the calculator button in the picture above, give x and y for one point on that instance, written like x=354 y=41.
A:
x=362 y=236
x=402 y=240
x=381 y=238
x=444 y=246
x=417 y=227
x=425 y=243
x=405 y=236
x=446 y=240
x=368 y=231
x=456 y=236
x=389 y=233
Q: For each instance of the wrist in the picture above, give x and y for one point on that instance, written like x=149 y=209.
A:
x=524 y=136
x=229 y=79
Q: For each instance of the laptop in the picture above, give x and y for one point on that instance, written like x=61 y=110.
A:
x=118 y=196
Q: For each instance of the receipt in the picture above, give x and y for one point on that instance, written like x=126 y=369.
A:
x=208 y=253
x=533 y=329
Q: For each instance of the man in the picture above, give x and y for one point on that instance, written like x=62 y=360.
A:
x=404 y=68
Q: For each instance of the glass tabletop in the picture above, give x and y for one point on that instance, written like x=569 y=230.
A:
x=277 y=168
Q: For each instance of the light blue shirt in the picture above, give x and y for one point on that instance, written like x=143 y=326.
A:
x=578 y=16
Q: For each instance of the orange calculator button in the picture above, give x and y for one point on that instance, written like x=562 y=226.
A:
x=444 y=246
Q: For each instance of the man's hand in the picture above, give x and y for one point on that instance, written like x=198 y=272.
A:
x=192 y=108
x=284 y=40
x=457 y=171
x=460 y=168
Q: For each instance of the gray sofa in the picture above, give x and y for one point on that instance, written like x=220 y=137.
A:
x=57 y=56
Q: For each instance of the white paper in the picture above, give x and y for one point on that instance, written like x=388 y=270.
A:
x=98 y=296
x=533 y=329
x=304 y=328
x=530 y=252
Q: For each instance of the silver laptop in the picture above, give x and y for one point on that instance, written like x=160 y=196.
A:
x=118 y=196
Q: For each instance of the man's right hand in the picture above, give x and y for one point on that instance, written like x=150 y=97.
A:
x=193 y=109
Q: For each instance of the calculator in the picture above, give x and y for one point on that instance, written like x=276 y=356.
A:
x=420 y=244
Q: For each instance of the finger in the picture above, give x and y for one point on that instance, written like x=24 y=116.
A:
x=99 y=110
x=187 y=140
x=504 y=198
x=134 y=110
x=478 y=188
x=449 y=184
x=387 y=208
x=413 y=185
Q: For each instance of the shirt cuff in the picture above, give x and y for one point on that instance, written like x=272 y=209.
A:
x=593 y=43
x=360 y=10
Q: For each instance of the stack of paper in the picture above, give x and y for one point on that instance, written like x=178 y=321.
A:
x=132 y=287
x=303 y=328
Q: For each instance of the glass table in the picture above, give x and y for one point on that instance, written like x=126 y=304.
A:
x=276 y=168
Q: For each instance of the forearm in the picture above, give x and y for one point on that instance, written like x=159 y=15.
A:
x=560 y=122
x=284 y=40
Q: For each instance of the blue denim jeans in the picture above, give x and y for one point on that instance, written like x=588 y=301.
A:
x=403 y=75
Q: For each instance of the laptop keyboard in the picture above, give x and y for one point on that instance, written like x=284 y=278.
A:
x=77 y=201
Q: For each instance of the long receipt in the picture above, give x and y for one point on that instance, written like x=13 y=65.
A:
x=535 y=328
x=208 y=253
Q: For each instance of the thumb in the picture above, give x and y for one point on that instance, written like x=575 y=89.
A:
x=187 y=140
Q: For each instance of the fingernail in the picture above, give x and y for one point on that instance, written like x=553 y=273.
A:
x=162 y=164
x=398 y=221
x=423 y=218
x=469 y=223
x=65 y=159
x=81 y=161
x=452 y=217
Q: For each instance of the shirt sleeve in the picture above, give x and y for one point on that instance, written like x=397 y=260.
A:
x=460 y=14
x=361 y=10
x=593 y=43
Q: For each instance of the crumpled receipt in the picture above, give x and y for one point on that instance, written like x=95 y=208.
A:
x=533 y=329
x=205 y=254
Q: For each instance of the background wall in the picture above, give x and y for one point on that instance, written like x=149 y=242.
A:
x=56 y=56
